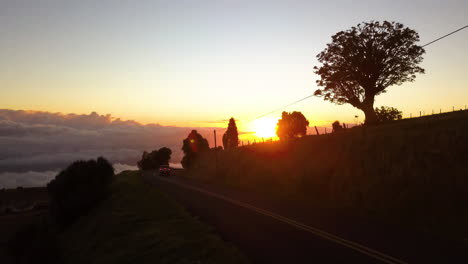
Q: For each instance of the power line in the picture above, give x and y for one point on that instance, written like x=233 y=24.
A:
x=427 y=44
x=444 y=36
x=283 y=107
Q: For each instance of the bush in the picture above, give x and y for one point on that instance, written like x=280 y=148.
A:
x=154 y=159
x=386 y=114
x=337 y=127
x=78 y=188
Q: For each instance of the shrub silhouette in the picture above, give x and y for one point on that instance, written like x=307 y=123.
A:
x=155 y=159
x=337 y=126
x=192 y=145
x=78 y=188
x=292 y=125
x=386 y=113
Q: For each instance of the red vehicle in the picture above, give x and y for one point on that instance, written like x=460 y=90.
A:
x=164 y=170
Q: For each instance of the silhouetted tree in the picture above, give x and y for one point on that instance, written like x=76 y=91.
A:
x=191 y=146
x=151 y=161
x=78 y=188
x=364 y=61
x=292 y=125
x=164 y=155
x=386 y=113
x=337 y=126
x=231 y=136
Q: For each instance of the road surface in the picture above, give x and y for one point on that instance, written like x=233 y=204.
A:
x=269 y=231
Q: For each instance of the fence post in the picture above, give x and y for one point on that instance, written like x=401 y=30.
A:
x=420 y=114
x=316 y=130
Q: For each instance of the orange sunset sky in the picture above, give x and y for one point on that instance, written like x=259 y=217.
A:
x=198 y=63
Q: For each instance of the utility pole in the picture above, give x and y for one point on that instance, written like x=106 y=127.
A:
x=216 y=154
x=214 y=132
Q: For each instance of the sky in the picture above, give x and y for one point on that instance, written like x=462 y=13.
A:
x=112 y=78
x=196 y=63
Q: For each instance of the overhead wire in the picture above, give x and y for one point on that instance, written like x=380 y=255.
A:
x=309 y=96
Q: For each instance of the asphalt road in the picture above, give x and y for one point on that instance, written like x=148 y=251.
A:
x=269 y=231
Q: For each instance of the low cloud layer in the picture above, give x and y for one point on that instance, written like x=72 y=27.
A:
x=26 y=179
x=10 y=180
x=32 y=141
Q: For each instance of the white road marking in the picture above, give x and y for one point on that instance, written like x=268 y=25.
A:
x=328 y=236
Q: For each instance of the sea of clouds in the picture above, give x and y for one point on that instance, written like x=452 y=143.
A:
x=35 y=146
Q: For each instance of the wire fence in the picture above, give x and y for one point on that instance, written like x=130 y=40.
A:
x=323 y=130
x=431 y=112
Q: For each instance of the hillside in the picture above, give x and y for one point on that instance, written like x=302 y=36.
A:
x=136 y=224
x=411 y=171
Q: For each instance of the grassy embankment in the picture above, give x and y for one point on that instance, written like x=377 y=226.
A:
x=411 y=171
x=139 y=224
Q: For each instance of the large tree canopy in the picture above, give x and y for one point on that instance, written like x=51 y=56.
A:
x=364 y=61
x=292 y=125
x=231 y=136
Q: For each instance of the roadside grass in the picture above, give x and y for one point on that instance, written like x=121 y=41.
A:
x=139 y=224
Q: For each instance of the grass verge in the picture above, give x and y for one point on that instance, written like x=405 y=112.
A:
x=139 y=224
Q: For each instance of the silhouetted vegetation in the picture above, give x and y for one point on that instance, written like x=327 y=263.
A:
x=192 y=145
x=364 y=61
x=337 y=127
x=118 y=228
x=78 y=188
x=231 y=136
x=411 y=171
x=292 y=125
x=154 y=159
x=386 y=113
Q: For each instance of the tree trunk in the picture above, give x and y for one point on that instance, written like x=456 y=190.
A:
x=371 y=117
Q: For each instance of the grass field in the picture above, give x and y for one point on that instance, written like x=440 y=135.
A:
x=411 y=171
x=138 y=224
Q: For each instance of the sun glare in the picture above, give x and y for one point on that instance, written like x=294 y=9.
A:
x=265 y=127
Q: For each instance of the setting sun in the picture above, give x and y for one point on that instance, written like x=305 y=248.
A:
x=265 y=127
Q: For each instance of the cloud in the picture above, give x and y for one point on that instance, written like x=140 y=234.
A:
x=26 y=179
x=10 y=180
x=42 y=141
x=118 y=167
